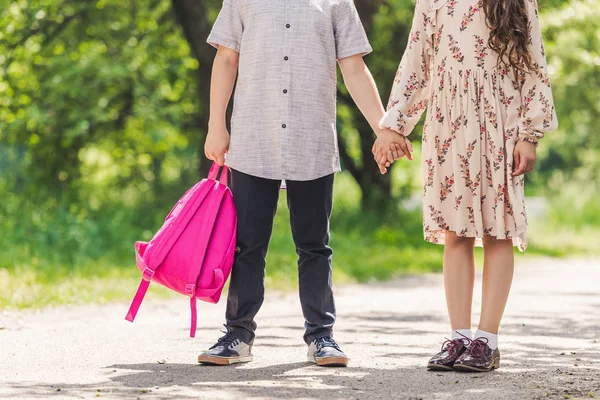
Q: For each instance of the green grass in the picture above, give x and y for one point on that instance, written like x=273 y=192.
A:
x=572 y=228
x=34 y=274
x=65 y=266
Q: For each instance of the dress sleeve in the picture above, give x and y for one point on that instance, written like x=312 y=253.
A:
x=228 y=28
x=411 y=88
x=537 y=113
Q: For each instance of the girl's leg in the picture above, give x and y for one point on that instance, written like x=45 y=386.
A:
x=498 y=268
x=459 y=272
x=459 y=275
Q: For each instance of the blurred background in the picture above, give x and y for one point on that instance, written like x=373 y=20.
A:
x=103 y=114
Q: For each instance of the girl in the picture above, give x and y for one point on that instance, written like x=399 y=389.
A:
x=479 y=67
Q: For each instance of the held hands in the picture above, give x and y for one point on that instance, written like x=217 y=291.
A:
x=524 y=158
x=217 y=144
x=389 y=147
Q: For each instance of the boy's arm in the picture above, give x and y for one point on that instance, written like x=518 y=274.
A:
x=362 y=88
x=223 y=76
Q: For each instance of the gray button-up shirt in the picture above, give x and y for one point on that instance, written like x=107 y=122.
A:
x=284 y=116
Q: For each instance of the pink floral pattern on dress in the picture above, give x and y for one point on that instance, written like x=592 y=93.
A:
x=446 y=188
x=547 y=110
x=480 y=51
x=430 y=174
x=450 y=7
x=469 y=16
x=436 y=215
x=442 y=148
x=438 y=39
x=457 y=202
x=411 y=86
x=541 y=74
x=414 y=38
x=438 y=115
x=504 y=99
x=456 y=52
x=492 y=117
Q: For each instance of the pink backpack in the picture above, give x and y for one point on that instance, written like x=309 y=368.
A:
x=193 y=252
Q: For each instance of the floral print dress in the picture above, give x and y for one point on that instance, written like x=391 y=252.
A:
x=477 y=111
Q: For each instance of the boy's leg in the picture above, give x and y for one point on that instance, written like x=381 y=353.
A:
x=256 y=203
x=310 y=205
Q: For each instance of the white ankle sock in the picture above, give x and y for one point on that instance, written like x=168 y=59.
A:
x=461 y=333
x=492 y=339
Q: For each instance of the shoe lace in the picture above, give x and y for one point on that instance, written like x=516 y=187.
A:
x=326 y=342
x=451 y=346
x=227 y=340
x=478 y=346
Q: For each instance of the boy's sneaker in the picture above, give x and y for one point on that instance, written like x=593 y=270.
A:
x=228 y=350
x=324 y=351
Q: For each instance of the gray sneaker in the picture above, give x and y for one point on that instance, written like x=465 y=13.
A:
x=324 y=351
x=228 y=350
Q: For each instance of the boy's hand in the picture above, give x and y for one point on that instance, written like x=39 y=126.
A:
x=389 y=147
x=524 y=158
x=217 y=144
x=391 y=141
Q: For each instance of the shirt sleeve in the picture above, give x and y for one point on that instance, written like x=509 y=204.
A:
x=228 y=28
x=410 y=91
x=537 y=112
x=350 y=36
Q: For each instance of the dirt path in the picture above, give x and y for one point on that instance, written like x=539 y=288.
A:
x=550 y=343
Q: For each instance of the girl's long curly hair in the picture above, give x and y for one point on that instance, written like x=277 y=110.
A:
x=509 y=36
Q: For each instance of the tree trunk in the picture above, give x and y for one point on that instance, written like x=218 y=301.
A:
x=192 y=16
x=376 y=188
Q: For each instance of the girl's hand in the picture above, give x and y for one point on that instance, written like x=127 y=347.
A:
x=524 y=158
x=217 y=144
x=389 y=147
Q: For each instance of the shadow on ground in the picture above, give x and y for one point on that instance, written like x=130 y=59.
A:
x=531 y=370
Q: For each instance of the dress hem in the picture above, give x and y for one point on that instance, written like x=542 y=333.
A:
x=438 y=237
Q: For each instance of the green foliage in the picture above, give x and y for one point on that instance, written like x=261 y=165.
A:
x=95 y=98
x=570 y=158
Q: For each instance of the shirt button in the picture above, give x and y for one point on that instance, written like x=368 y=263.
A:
x=284 y=126
x=288 y=26
x=284 y=91
x=286 y=58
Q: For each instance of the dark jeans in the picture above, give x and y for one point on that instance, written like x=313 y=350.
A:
x=310 y=206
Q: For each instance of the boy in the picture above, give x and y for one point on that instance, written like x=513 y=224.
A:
x=284 y=128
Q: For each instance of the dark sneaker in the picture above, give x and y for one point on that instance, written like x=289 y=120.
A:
x=324 y=351
x=228 y=350
x=478 y=357
x=451 y=350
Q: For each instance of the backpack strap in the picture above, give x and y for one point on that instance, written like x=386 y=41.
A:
x=194 y=322
x=190 y=289
x=147 y=274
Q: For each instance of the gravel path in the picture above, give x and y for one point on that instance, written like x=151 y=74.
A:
x=550 y=344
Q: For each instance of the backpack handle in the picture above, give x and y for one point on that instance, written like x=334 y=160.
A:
x=214 y=171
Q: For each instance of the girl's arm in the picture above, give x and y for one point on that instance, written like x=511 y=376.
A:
x=411 y=89
x=221 y=86
x=537 y=113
